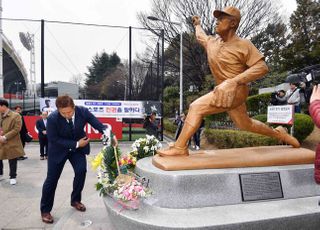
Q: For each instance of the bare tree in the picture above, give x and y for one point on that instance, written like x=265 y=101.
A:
x=113 y=87
x=256 y=15
x=77 y=79
x=138 y=68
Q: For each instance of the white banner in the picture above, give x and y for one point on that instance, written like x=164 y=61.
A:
x=118 y=109
x=281 y=114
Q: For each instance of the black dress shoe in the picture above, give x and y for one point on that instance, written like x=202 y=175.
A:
x=22 y=158
x=47 y=218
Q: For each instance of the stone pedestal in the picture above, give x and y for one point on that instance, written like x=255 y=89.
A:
x=273 y=197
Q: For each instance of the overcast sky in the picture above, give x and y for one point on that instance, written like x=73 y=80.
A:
x=69 y=49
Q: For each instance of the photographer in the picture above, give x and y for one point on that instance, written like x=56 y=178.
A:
x=151 y=125
x=278 y=98
x=293 y=97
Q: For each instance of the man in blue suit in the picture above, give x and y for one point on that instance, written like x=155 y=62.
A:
x=67 y=141
x=41 y=126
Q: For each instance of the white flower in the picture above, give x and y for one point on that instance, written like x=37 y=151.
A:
x=146 y=149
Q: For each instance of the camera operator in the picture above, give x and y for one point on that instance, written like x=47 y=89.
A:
x=293 y=97
x=151 y=125
x=278 y=98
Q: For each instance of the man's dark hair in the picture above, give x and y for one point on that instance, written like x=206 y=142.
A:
x=64 y=101
x=17 y=106
x=4 y=102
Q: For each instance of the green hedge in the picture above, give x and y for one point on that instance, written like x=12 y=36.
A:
x=224 y=139
x=169 y=126
x=258 y=104
x=303 y=125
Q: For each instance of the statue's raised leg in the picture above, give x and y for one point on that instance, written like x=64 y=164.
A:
x=244 y=122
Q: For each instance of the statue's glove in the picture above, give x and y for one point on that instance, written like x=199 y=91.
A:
x=225 y=93
x=195 y=20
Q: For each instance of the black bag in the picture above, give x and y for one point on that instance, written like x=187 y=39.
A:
x=28 y=137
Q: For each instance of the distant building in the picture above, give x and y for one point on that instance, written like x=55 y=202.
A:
x=283 y=86
x=59 y=88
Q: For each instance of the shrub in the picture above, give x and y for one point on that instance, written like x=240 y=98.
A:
x=258 y=104
x=169 y=126
x=303 y=125
x=237 y=139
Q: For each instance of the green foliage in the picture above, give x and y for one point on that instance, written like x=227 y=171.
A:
x=303 y=125
x=171 y=100
x=101 y=65
x=169 y=126
x=271 y=41
x=110 y=162
x=237 y=139
x=258 y=104
x=215 y=118
x=304 y=49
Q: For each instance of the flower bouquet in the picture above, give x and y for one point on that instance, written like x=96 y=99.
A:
x=145 y=147
x=115 y=181
x=129 y=194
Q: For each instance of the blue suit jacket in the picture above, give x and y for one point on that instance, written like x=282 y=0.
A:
x=41 y=127
x=61 y=140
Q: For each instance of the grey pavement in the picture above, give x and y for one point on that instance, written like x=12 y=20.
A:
x=19 y=204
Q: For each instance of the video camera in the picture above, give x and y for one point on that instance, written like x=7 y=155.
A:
x=306 y=78
x=310 y=74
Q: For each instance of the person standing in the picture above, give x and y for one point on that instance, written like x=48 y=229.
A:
x=180 y=123
x=151 y=125
x=23 y=131
x=281 y=98
x=314 y=111
x=197 y=136
x=67 y=141
x=293 y=97
x=234 y=63
x=41 y=126
x=10 y=143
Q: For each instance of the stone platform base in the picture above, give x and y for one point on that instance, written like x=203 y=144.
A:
x=237 y=158
x=213 y=199
x=294 y=214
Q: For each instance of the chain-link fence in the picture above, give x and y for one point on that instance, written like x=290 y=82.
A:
x=40 y=54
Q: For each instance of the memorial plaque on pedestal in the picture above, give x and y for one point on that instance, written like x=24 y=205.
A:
x=260 y=186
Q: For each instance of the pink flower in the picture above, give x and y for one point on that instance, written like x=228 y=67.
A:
x=138 y=188
x=126 y=193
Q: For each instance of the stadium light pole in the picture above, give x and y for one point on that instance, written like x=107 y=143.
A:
x=181 y=57
x=27 y=41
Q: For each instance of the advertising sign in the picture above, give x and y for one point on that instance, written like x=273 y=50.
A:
x=280 y=114
x=90 y=131
x=116 y=109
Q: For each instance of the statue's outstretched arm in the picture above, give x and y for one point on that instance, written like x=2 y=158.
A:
x=201 y=36
x=253 y=73
x=225 y=92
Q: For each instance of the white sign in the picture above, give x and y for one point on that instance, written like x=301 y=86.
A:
x=281 y=114
x=118 y=109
